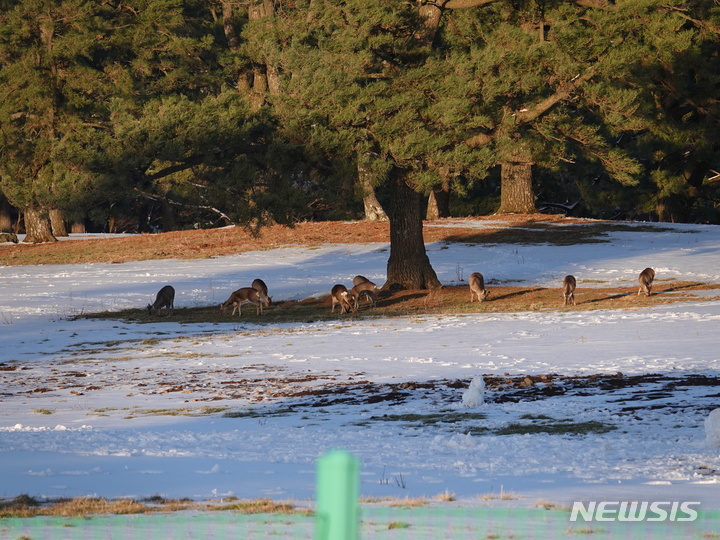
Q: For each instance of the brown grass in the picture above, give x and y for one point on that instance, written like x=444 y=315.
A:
x=453 y=300
x=202 y=244
x=514 y=229
x=26 y=507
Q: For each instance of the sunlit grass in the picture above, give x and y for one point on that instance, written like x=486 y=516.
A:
x=25 y=506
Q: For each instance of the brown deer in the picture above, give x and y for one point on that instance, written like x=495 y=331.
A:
x=477 y=287
x=165 y=299
x=240 y=297
x=569 y=284
x=646 y=280
x=259 y=285
x=370 y=295
x=363 y=288
x=340 y=295
x=357 y=280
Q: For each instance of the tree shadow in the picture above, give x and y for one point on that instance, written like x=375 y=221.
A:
x=399 y=299
x=515 y=294
x=679 y=288
x=606 y=298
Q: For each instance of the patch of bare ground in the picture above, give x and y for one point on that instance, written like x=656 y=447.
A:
x=519 y=229
x=643 y=391
x=452 y=300
x=207 y=243
x=24 y=506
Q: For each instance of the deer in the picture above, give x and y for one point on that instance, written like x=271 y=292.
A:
x=259 y=285
x=357 y=280
x=165 y=299
x=477 y=287
x=340 y=295
x=242 y=296
x=646 y=280
x=569 y=284
x=367 y=293
x=363 y=288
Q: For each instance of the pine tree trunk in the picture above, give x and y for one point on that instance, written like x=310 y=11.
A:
x=273 y=80
x=439 y=202
x=57 y=223
x=244 y=78
x=516 y=190
x=408 y=266
x=6 y=220
x=78 y=227
x=373 y=209
x=266 y=77
x=168 y=218
x=37 y=226
x=430 y=15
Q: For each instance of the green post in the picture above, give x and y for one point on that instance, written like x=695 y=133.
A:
x=338 y=489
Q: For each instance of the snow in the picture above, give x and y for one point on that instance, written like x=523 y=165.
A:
x=475 y=394
x=712 y=428
x=121 y=409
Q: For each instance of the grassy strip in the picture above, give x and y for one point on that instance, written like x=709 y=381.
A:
x=450 y=300
x=208 y=243
x=25 y=506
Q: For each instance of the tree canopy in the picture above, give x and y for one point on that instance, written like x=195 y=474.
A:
x=170 y=114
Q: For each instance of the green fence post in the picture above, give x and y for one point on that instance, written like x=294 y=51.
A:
x=338 y=489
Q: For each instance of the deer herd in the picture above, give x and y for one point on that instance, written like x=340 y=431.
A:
x=349 y=299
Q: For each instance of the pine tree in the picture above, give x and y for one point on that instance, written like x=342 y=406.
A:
x=679 y=94
x=350 y=76
x=568 y=82
x=52 y=81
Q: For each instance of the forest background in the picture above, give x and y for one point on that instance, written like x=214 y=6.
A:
x=161 y=115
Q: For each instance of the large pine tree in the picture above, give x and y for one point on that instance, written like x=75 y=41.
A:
x=53 y=87
x=445 y=91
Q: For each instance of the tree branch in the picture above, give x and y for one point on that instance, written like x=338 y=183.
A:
x=525 y=116
x=595 y=4
x=167 y=171
x=464 y=4
x=172 y=202
x=201 y=158
x=565 y=91
x=700 y=24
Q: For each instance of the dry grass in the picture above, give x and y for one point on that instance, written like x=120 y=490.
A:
x=27 y=507
x=502 y=496
x=203 y=244
x=454 y=300
x=549 y=505
x=407 y=502
x=518 y=229
x=446 y=496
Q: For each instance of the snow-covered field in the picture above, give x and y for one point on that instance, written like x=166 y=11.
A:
x=121 y=409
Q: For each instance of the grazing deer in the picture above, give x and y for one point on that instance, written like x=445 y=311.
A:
x=340 y=295
x=363 y=288
x=569 y=284
x=259 y=285
x=357 y=280
x=165 y=299
x=477 y=287
x=646 y=280
x=240 y=297
x=370 y=295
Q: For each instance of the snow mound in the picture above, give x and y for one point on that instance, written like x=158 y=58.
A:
x=712 y=428
x=474 y=395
